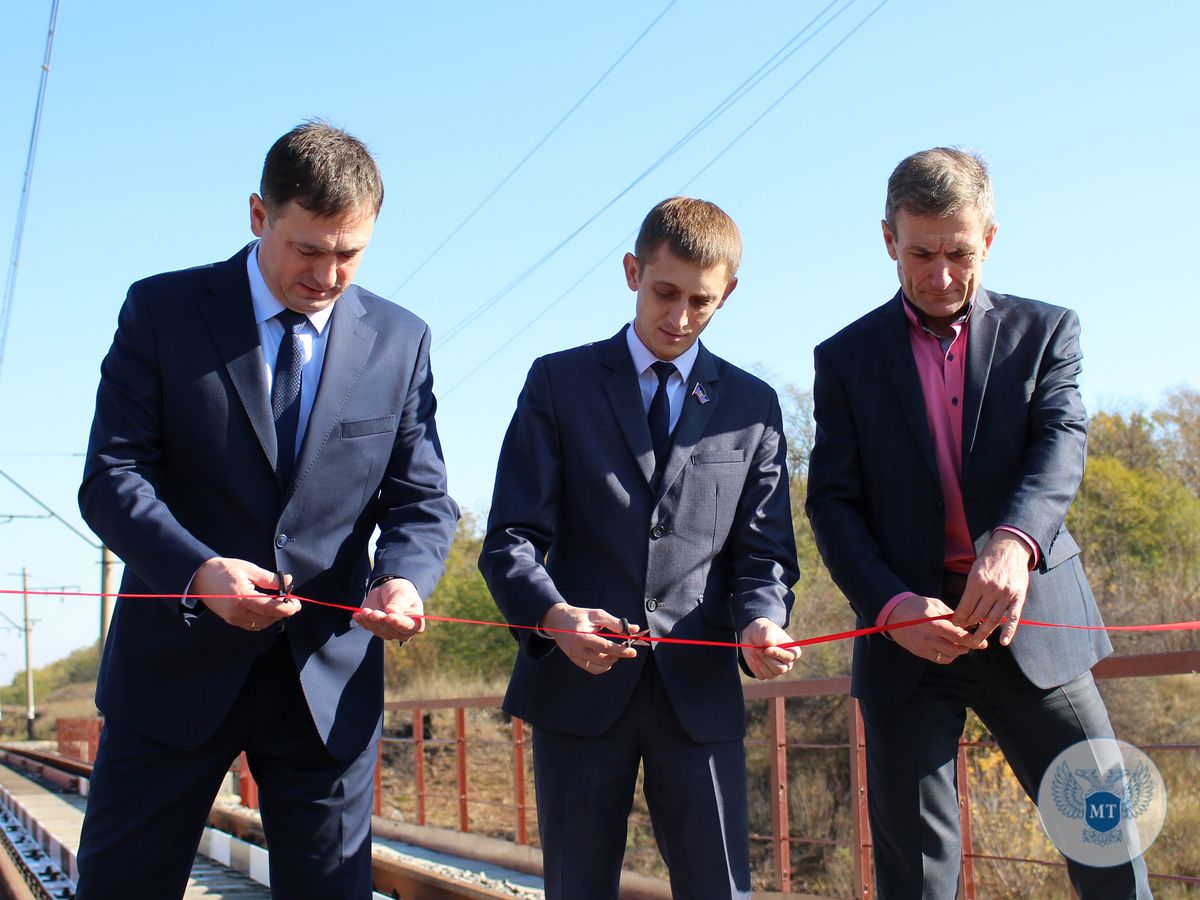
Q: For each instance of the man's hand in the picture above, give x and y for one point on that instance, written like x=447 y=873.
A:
x=768 y=660
x=595 y=655
x=941 y=641
x=220 y=582
x=391 y=610
x=996 y=588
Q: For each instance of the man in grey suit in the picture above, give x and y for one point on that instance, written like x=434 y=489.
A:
x=643 y=481
x=257 y=419
x=950 y=442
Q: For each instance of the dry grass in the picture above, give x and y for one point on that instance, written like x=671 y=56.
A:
x=74 y=701
x=490 y=775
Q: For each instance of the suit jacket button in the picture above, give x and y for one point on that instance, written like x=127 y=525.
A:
x=651 y=604
x=281 y=540
x=657 y=531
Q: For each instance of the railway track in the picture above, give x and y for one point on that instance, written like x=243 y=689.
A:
x=43 y=795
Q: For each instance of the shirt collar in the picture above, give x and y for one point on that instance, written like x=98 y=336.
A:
x=643 y=359
x=266 y=306
x=916 y=318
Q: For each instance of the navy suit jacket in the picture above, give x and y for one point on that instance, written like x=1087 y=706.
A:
x=180 y=469
x=579 y=516
x=875 y=500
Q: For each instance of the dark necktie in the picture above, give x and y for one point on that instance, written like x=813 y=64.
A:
x=659 y=415
x=285 y=392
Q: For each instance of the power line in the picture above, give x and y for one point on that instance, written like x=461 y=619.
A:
x=795 y=84
x=624 y=241
x=10 y=285
x=503 y=181
x=52 y=514
x=752 y=81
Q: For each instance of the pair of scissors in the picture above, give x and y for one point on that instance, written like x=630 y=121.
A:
x=632 y=640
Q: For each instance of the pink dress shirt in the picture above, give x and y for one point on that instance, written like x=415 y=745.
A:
x=941 y=369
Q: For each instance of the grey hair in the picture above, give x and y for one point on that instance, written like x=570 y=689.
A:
x=940 y=182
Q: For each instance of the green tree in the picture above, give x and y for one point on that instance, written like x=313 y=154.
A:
x=1137 y=519
x=1179 y=420
x=455 y=650
x=820 y=607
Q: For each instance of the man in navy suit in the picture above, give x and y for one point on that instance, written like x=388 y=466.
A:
x=643 y=481
x=950 y=442
x=256 y=420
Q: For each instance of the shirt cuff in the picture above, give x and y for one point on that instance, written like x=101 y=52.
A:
x=881 y=619
x=1035 y=557
x=189 y=607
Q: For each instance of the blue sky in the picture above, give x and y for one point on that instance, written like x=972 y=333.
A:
x=158 y=115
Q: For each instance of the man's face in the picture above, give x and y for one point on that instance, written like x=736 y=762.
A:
x=675 y=300
x=308 y=260
x=939 y=260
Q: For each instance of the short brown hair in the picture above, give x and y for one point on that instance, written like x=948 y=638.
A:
x=940 y=182
x=322 y=169
x=694 y=230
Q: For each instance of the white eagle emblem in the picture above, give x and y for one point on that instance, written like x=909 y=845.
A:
x=1104 y=802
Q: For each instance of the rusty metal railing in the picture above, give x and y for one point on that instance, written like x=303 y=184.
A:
x=775 y=694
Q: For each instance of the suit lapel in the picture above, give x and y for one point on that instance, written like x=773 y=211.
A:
x=897 y=353
x=346 y=353
x=693 y=418
x=625 y=398
x=981 y=346
x=229 y=314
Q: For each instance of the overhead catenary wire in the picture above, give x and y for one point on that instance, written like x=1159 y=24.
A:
x=10 y=281
x=496 y=351
x=625 y=240
x=50 y=513
x=773 y=62
x=795 y=84
x=536 y=147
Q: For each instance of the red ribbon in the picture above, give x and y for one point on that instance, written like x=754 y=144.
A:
x=819 y=639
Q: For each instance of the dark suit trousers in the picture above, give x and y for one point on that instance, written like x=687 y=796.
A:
x=696 y=794
x=148 y=802
x=912 y=767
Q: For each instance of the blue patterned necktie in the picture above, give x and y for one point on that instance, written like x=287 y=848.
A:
x=659 y=415
x=285 y=392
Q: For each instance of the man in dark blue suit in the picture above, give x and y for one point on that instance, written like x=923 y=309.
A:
x=643 y=480
x=950 y=442
x=256 y=421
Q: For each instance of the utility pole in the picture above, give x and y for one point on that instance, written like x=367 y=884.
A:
x=108 y=590
x=30 y=712
x=27 y=628
x=10 y=286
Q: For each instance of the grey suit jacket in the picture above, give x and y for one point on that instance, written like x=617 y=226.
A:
x=578 y=516
x=875 y=500
x=180 y=469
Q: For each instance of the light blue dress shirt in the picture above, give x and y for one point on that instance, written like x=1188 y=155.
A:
x=643 y=359
x=313 y=340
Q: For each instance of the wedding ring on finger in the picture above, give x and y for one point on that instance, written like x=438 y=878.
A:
x=938 y=658
x=587 y=664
